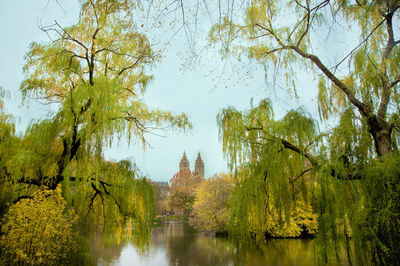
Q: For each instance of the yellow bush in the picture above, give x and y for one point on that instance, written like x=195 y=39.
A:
x=38 y=231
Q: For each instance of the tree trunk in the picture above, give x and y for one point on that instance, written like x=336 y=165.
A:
x=381 y=131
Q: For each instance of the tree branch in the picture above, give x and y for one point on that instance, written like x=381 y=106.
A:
x=364 y=110
x=386 y=87
x=300 y=175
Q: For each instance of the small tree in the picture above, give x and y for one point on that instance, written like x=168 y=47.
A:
x=182 y=190
x=38 y=230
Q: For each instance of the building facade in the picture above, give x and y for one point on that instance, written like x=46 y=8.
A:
x=198 y=167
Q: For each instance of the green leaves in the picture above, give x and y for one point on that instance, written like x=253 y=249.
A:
x=96 y=71
x=245 y=135
x=358 y=98
x=267 y=171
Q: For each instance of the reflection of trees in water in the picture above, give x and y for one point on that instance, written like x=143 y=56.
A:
x=280 y=252
x=106 y=246
x=215 y=251
x=179 y=244
x=185 y=247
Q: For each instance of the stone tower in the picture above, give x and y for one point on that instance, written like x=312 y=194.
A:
x=199 y=166
x=184 y=164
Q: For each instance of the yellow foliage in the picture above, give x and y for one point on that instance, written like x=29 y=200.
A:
x=302 y=220
x=211 y=207
x=38 y=231
x=182 y=190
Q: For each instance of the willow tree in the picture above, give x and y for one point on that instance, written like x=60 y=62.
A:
x=357 y=162
x=95 y=74
x=8 y=140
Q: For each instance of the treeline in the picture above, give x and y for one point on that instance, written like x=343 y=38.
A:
x=213 y=205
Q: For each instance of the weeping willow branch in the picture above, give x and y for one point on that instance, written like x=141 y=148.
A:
x=121 y=211
x=97 y=192
x=300 y=175
x=353 y=175
x=315 y=162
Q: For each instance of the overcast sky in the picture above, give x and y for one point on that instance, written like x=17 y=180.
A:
x=198 y=92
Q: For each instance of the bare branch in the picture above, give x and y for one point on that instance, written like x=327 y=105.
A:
x=358 y=46
x=69 y=37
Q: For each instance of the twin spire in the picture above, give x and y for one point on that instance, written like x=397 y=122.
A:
x=184 y=164
x=198 y=167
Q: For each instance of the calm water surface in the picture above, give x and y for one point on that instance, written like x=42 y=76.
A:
x=178 y=244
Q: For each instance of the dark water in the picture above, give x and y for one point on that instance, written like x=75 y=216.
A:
x=178 y=244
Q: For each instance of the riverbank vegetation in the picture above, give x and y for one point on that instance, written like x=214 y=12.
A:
x=215 y=204
x=335 y=177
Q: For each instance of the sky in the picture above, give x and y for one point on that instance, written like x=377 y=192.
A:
x=200 y=90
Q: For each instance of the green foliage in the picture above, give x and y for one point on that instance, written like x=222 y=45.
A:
x=144 y=208
x=261 y=31
x=292 y=181
x=122 y=198
x=211 y=209
x=245 y=134
x=253 y=136
x=98 y=83
x=97 y=80
x=8 y=143
x=361 y=215
x=377 y=224
x=259 y=212
x=354 y=165
x=38 y=231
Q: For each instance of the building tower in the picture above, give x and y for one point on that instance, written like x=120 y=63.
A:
x=184 y=164
x=199 y=166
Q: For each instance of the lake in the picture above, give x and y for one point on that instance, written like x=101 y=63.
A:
x=179 y=244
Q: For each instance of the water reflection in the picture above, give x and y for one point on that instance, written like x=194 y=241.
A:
x=178 y=244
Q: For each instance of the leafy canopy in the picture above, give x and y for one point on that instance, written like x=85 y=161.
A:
x=357 y=96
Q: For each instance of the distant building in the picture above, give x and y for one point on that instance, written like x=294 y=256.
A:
x=162 y=188
x=160 y=196
x=184 y=164
x=198 y=167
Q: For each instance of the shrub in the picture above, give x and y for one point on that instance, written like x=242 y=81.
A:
x=38 y=230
